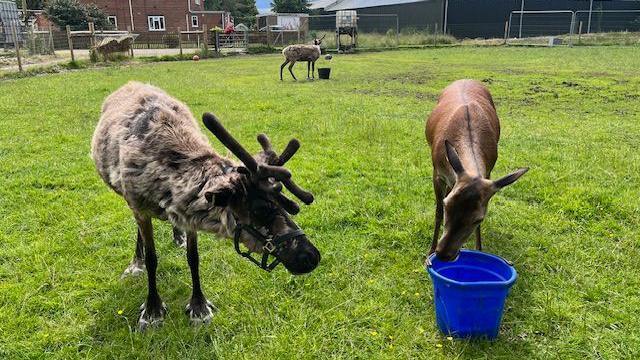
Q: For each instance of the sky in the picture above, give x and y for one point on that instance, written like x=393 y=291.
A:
x=263 y=5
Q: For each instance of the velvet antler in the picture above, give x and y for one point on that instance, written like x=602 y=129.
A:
x=269 y=172
x=289 y=151
x=213 y=124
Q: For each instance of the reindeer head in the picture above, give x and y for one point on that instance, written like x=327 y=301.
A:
x=466 y=205
x=259 y=206
x=318 y=42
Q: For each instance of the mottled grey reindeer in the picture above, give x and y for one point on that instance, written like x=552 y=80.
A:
x=149 y=149
x=302 y=52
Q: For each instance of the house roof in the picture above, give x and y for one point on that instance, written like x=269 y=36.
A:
x=335 y=5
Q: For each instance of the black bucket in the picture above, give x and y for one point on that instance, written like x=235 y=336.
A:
x=323 y=73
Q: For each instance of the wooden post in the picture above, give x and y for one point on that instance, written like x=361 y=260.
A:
x=16 y=43
x=268 y=32
x=92 y=35
x=130 y=47
x=180 y=41
x=70 y=42
x=205 y=40
x=217 y=39
x=51 y=44
x=33 y=42
x=580 y=33
x=506 y=31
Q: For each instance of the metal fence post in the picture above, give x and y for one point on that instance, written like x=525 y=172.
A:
x=70 y=42
x=16 y=44
x=506 y=31
x=521 y=16
x=580 y=33
x=571 y=30
x=446 y=13
x=590 y=12
x=397 y=31
x=180 y=41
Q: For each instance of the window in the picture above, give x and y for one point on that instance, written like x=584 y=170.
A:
x=113 y=20
x=194 y=21
x=156 y=23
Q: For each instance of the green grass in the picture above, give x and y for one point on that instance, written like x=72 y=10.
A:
x=570 y=225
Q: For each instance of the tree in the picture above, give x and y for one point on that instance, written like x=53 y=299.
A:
x=243 y=11
x=75 y=14
x=246 y=12
x=290 y=6
x=31 y=4
x=95 y=15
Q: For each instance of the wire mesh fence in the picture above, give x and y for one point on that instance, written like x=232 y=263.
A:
x=566 y=27
x=24 y=45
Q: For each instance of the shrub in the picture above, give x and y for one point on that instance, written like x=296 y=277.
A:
x=260 y=49
x=76 y=15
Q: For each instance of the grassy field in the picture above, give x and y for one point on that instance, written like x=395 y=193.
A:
x=570 y=225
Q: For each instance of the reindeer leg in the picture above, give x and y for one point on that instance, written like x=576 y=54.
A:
x=439 y=191
x=199 y=309
x=308 y=69
x=291 y=71
x=478 y=239
x=313 y=70
x=179 y=237
x=282 y=68
x=136 y=267
x=153 y=310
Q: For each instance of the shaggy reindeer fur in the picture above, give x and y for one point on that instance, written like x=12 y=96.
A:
x=308 y=53
x=149 y=149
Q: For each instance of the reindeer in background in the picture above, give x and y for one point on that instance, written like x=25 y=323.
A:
x=302 y=52
x=149 y=149
x=463 y=132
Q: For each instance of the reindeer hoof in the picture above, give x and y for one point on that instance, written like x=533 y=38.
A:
x=136 y=268
x=200 y=312
x=151 y=317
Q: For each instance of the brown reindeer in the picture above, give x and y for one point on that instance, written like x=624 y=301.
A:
x=149 y=149
x=302 y=52
x=463 y=132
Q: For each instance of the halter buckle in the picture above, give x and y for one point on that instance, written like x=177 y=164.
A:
x=269 y=246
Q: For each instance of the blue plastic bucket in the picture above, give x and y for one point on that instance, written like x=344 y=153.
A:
x=469 y=293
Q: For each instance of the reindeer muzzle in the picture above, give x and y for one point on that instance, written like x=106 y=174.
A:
x=271 y=246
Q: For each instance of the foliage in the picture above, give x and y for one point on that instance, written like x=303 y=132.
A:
x=290 y=6
x=260 y=49
x=570 y=225
x=243 y=11
x=75 y=14
x=32 y=4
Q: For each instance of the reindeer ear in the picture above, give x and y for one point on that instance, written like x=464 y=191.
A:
x=219 y=198
x=452 y=157
x=509 y=179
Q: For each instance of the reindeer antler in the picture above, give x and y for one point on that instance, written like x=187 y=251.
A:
x=271 y=174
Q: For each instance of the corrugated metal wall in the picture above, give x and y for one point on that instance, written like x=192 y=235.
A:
x=469 y=18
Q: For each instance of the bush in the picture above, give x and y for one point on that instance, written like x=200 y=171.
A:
x=76 y=15
x=260 y=49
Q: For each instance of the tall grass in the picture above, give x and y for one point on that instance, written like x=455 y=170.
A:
x=390 y=40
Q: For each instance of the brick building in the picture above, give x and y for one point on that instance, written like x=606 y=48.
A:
x=157 y=16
